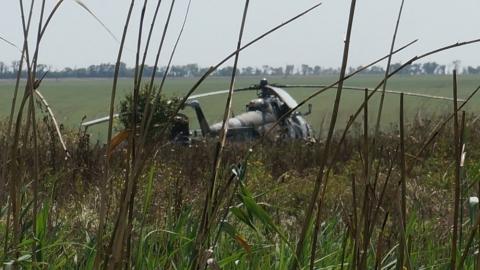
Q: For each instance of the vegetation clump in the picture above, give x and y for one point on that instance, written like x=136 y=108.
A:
x=163 y=109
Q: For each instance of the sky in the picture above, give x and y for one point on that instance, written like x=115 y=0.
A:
x=76 y=39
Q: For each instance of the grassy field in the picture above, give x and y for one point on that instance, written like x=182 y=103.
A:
x=73 y=99
x=406 y=198
x=408 y=209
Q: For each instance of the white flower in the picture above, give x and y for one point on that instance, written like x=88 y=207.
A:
x=473 y=201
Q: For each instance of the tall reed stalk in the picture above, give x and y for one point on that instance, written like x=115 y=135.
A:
x=366 y=209
x=104 y=197
x=318 y=183
x=402 y=224
x=387 y=71
x=4 y=175
x=414 y=59
x=12 y=171
x=456 y=194
x=207 y=212
x=439 y=127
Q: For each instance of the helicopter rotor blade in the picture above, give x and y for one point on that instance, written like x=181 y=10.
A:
x=98 y=121
x=284 y=96
x=395 y=92
x=221 y=92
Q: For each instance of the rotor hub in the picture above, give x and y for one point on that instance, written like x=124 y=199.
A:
x=263 y=82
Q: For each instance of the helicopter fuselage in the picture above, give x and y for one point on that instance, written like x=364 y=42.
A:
x=260 y=119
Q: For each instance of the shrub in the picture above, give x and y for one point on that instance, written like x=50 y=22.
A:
x=163 y=111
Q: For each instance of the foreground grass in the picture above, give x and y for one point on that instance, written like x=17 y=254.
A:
x=266 y=210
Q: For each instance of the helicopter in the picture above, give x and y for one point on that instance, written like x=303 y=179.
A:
x=273 y=104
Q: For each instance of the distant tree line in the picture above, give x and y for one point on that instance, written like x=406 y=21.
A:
x=193 y=70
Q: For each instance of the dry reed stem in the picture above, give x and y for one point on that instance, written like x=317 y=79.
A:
x=207 y=212
x=139 y=167
x=409 y=62
x=160 y=47
x=106 y=176
x=165 y=73
x=366 y=195
x=6 y=142
x=16 y=203
x=403 y=189
x=477 y=266
x=456 y=194
x=131 y=150
x=416 y=58
x=355 y=226
x=387 y=70
x=3 y=180
x=440 y=126
x=149 y=111
x=147 y=44
x=128 y=197
x=128 y=194
x=172 y=54
x=137 y=80
x=462 y=183
x=49 y=18
x=137 y=85
x=14 y=184
x=31 y=85
x=314 y=197
x=382 y=195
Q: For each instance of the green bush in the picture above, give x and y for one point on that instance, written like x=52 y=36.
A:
x=163 y=111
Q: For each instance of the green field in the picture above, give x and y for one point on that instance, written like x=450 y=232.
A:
x=72 y=99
